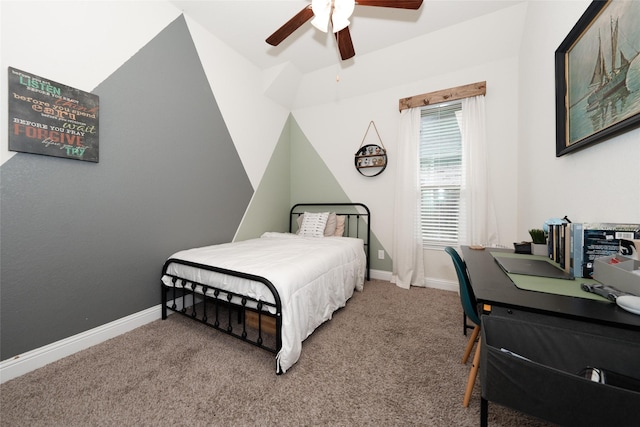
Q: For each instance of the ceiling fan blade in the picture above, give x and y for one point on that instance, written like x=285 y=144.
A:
x=398 y=4
x=290 y=26
x=345 y=44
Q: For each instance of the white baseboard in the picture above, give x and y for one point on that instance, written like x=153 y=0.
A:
x=441 y=284
x=380 y=275
x=34 y=359
x=428 y=281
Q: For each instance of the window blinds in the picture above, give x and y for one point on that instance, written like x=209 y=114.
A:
x=440 y=173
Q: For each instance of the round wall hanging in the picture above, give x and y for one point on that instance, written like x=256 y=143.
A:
x=371 y=159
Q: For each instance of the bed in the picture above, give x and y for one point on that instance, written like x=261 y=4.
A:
x=275 y=290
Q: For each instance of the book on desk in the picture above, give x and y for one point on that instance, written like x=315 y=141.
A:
x=589 y=241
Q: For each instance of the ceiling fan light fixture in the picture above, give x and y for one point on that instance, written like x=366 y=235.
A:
x=339 y=23
x=336 y=11
x=321 y=14
x=343 y=9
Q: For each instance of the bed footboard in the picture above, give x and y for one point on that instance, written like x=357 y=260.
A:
x=256 y=322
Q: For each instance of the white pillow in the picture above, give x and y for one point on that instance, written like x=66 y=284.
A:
x=313 y=224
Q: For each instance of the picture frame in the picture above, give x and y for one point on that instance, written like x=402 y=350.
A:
x=52 y=119
x=595 y=102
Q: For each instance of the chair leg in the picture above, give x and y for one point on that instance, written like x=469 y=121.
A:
x=464 y=324
x=472 y=376
x=472 y=340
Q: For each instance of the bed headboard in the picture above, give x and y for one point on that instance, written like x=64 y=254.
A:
x=357 y=220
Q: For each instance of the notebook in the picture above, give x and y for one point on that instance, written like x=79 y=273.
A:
x=532 y=267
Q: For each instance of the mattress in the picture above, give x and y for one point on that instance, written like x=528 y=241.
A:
x=313 y=276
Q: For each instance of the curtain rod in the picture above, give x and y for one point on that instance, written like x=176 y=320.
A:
x=452 y=94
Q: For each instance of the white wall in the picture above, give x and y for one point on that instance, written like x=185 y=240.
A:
x=599 y=183
x=234 y=80
x=513 y=50
x=74 y=43
x=103 y=36
x=336 y=123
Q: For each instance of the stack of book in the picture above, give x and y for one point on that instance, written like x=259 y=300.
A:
x=588 y=241
x=559 y=242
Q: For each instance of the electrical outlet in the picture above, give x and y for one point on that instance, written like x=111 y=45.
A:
x=381 y=254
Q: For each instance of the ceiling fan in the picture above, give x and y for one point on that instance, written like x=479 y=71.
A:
x=336 y=12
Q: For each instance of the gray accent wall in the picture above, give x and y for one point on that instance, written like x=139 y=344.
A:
x=83 y=244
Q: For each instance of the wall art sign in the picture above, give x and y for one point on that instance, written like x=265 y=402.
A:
x=52 y=119
x=598 y=76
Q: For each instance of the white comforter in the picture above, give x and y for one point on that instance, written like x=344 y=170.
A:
x=313 y=276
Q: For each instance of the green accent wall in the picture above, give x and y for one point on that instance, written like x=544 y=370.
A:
x=269 y=207
x=311 y=179
x=296 y=174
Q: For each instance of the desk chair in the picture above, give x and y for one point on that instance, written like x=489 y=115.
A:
x=470 y=307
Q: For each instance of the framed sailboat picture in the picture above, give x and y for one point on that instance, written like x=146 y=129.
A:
x=598 y=76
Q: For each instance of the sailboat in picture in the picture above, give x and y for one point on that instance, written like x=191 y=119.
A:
x=606 y=83
x=598 y=76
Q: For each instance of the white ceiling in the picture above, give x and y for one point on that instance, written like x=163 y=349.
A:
x=245 y=24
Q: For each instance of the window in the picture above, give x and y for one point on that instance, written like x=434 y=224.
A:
x=441 y=173
x=453 y=175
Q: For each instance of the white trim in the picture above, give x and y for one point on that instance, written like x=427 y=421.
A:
x=34 y=359
x=446 y=285
x=380 y=275
x=429 y=282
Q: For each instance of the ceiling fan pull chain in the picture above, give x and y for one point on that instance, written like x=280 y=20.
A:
x=340 y=54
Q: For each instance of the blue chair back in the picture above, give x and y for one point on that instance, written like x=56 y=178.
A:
x=467 y=297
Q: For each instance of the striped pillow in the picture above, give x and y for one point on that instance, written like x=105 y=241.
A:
x=313 y=224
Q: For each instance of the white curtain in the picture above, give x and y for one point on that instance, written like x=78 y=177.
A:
x=478 y=221
x=408 y=258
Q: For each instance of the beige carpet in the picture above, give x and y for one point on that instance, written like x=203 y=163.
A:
x=391 y=357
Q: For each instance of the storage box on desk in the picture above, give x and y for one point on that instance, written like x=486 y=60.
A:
x=617 y=271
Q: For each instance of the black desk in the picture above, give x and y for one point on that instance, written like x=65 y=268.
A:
x=492 y=286
x=559 y=335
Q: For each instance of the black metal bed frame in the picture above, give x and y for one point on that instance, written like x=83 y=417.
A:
x=221 y=310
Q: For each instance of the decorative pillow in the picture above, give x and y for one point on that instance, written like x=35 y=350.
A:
x=313 y=224
x=339 y=225
x=332 y=224
x=329 y=229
